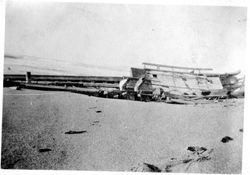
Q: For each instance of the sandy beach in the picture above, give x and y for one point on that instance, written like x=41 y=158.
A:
x=117 y=135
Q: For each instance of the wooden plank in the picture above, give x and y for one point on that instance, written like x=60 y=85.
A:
x=76 y=78
x=88 y=91
x=137 y=72
x=79 y=84
x=180 y=101
x=16 y=77
x=222 y=75
x=20 y=77
x=178 y=72
x=176 y=67
x=178 y=87
x=28 y=77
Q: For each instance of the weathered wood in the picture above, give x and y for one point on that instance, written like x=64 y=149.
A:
x=137 y=72
x=80 y=84
x=180 y=101
x=88 y=91
x=176 y=72
x=176 y=67
x=75 y=132
x=224 y=75
x=20 y=77
x=28 y=77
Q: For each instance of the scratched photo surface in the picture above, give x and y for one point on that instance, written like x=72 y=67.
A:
x=123 y=87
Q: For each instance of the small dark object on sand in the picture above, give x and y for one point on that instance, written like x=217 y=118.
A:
x=98 y=111
x=205 y=93
x=152 y=168
x=191 y=148
x=203 y=149
x=95 y=122
x=226 y=139
x=187 y=160
x=44 y=150
x=168 y=168
x=197 y=155
x=75 y=132
x=241 y=130
x=196 y=149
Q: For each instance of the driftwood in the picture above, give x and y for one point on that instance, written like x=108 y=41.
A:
x=44 y=150
x=226 y=139
x=195 y=155
x=75 y=132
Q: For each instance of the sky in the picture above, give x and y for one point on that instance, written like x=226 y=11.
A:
x=108 y=39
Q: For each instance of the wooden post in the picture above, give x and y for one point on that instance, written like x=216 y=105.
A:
x=28 y=77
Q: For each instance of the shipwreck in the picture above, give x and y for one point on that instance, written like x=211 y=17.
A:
x=153 y=82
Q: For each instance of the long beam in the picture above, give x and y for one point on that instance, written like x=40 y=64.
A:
x=177 y=67
x=22 y=77
x=178 y=72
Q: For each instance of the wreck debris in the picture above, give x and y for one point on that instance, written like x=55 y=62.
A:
x=226 y=139
x=146 y=167
x=44 y=150
x=75 y=132
x=155 y=82
x=15 y=87
x=151 y=168
x=180 y=101
x=197 y=155
x=196 y=149
x=95 y=122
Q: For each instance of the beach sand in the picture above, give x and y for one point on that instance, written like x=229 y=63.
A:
x=120 y=134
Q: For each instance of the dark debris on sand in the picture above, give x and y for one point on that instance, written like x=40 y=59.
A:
x=44 y=150
x=75 y=132
x=197 y=155
x=226 y=139
x=196 y=149
x=152 y=168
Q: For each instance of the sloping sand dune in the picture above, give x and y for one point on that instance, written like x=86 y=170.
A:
x=117 y=135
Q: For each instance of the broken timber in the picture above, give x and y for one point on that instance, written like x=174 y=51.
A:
x=175 y=67
x=19 y=77
x=174 y=84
